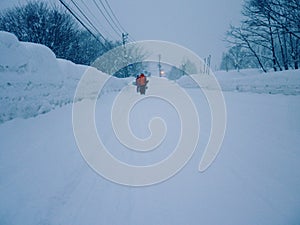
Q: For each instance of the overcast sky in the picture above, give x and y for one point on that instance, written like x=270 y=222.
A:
x=199 y=25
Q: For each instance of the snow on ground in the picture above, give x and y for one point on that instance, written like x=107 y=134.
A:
x=255 y=179
x=253 y=80
x=44 y=180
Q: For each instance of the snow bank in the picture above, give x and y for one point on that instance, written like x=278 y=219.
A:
x=11 y=48
x=33 y=81
x=20 y=61
x=284 y=82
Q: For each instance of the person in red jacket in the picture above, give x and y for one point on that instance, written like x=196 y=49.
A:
x=141 y=82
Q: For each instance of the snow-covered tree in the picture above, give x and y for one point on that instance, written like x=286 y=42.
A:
x=38 y=22
x=175 y=73
x=237 y=58
x=123 y=62
x=188 y=67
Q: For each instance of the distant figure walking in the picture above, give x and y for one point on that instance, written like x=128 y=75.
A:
x=141 y=83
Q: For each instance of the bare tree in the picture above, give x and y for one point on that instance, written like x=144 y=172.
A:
x=243 y=37
x=271 y=27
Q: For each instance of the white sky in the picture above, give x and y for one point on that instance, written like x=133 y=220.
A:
x=199 y=25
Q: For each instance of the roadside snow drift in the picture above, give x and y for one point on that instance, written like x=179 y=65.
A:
x=252 y=80
x=33 y=81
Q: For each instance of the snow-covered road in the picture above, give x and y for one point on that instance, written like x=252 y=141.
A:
x=254 y=180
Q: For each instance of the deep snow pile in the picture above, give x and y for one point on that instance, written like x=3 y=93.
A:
x=33 y=81
x=252 y=80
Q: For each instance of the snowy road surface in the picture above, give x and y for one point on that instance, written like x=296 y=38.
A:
x=254 y=180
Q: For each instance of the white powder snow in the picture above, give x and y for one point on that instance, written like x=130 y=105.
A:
x=44 y=179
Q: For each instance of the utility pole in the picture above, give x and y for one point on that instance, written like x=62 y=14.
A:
x=159 y=66
x=183 y=66
x=124 y=40
x=208 y=64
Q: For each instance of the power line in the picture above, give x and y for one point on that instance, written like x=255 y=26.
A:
x=103 y=14
x=82 y=20
x=113 y=21
x=76 y=17
x=113 y=18
x=110 y=18
x=96 y=19
x=88 y=20
x=114 y=15
x=117 y=20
